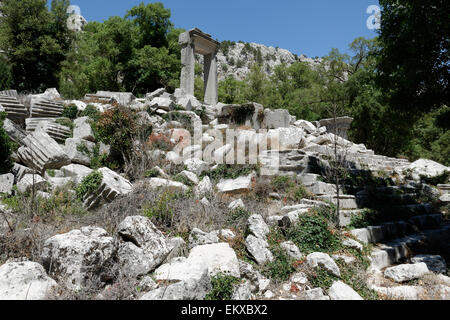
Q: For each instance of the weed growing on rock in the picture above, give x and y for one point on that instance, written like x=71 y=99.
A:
x=312 y=234
x=222 y=287
x=89 y=184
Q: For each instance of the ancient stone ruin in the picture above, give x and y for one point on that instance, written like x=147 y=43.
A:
x=192 y=42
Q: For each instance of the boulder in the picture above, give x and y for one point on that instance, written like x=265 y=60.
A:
x=406 y=272
x=165 y=104
x=6 y=183
x=198 y=237
x=315 y=294
x=237 y=204
x=24 y=281
x=323 y=260
x=341 y=291
x=79 y=151
x=122 y=98
x=192 y=177
x=258 y=248
x=76 y=172
x=242 y=291
x=219 y=258
x=79 y=256
x=305 y=125
x=257 y=226
x=193 y=281
x=41 y=152
x=274 y=119
x=427 y=168
x=56 y=131
x=157 y=183
x=204 y=188
x=111 y=186
x=290 y=138
x=142 y=247
x=291 y=250
x=236 y=186
x=26 y=183
x=83 y=129
x=195 y=165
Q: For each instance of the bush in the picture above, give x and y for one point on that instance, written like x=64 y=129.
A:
x=89 y=184
x=161 y=212
x=222 y=287
x=91 y=112
x=311 y=234
x=117 y=127
x=5 y=147
x=70 y=112
x=226 y=171
x=281 y=268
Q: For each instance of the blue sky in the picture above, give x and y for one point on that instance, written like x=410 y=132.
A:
x=311 y=27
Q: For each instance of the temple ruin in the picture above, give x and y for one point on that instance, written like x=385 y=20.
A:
x=192 y=42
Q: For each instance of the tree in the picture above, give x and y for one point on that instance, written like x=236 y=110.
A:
x=414 y=56
x=137 y=53
x=35 y=41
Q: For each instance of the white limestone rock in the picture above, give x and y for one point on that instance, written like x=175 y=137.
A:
x=6 y=183
x=258 y=248
x=83 y=129
x=29 y=180
x=341 y=291
x=427 y=168
x=165 y=104
x=323 y=260
x=219 y=258
x=236 y=204
x=204 y=188
x=291 y=250
x=258 y=227
x=198 y=237
x=24 y=281
x=158 y=183
x=406 y=272
x=315 y=294
x=142 y=246
x=79 y=151
x=233 y=186
x=76 y=172
x=77 y=256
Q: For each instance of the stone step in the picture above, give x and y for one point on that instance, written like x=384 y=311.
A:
x=388 y=254
x=345 y=201
x=392 y=230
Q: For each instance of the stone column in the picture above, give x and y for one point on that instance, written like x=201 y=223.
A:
x=210 y=71
x=187 y=63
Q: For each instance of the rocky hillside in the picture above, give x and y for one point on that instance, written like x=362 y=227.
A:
x=173 y=222
x=236 y=58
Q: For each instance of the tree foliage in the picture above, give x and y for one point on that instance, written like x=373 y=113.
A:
x=414 y=56
x=35 y=41
x=138 y=53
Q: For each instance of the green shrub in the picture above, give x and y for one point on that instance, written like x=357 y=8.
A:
x=238 y=215
x=152 y=173
x=89 y=184
x=222 y=287
x=162 y=211
x=70 y=112
x=226 y=171
x=281 y=268
x=91 y=112
x=6 y=147
x=311 y=234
